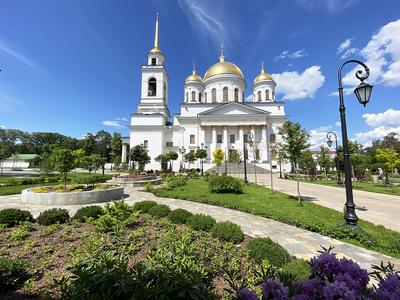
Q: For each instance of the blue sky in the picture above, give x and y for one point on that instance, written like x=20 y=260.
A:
x=73 y=66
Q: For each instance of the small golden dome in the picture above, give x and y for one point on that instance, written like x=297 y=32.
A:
x=263 y=76
x=194 y=76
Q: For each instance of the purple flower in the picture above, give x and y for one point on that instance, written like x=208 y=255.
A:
x=246 y=294
x=340 y=290
x=274 y=289
x=389 y=288
x=351 y=273
x=310 y=289
x=326 y=265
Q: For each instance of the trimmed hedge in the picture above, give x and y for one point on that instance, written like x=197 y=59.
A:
x=159 y=211
x=144 y=206
x=179 y=216
x=300 y=269
x=201 y=222
x=228 y=231
x=53 y=216
x=264 y=248
x=13 y=272
x=225 y=184
x=13 y=216
x=93 y=211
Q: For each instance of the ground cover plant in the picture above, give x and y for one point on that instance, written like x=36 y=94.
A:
x=310 y=216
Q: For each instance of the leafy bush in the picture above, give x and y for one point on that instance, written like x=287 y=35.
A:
x=228 y=231
x=13 y=273
x=264 y=248
x=93 y=211
x=144 y=206
x=149 y=187
x=40 y=189
x=201 y=222
x=20 y=232
x=179 y=216
x=116 y=217
x=92 y=179
x=14 y=216
x=225 y=184
x=299 y=268
x=172 y=182
x=53 y=216
x=160 y=211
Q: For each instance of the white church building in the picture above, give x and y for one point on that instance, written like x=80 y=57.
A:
x=213 y=114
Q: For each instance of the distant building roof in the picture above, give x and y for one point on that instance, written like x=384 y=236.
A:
x=23 y=157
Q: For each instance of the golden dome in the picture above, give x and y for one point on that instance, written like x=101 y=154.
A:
x=194 y=76
x=223 y=67
x=262 y=76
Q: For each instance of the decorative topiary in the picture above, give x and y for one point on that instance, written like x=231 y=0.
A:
x=14 y=216
x=13 y=272
x=144 y=206
x=201 y=222
x=179 y=216
x=159 y=211
x=53 y=216
x=300 y=269
x=93 y=211
x=264 y=248
x=228 y=231
x=225 y=184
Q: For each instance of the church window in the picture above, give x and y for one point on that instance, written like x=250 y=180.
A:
x=192 y=139
x=225 y=94
x=236 y=95
x=259 y=95
x=152 y=87
x=219 y=138
x=243 y=96
x=145 y=144
x=272 y=138
x=266 y=94
x=273 y=154
x=169 y=144
x=187 y=96
x=153 y=61
x=232 y=138
x=205 y=97
x=199 y=97
x=193 y=96
x=214 y=95
x=257 y=154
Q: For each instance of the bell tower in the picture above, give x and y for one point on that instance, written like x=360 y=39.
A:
x=154 y=87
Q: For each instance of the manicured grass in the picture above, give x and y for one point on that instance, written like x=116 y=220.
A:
x=17 y=189
x=284 y=208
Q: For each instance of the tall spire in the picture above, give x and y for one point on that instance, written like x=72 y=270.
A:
x=194 y=68
x=156 y=48
x=262 y=67
x=222 y=57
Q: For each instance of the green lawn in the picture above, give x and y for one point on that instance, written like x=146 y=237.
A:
x=363 y=186
x=284 y=208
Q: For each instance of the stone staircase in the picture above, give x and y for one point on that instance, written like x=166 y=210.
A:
x=239 y=168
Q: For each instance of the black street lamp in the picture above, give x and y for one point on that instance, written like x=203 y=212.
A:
x=247 y=138
x=182 y=151
x=329 y=142
x=363 y=93
x=201 y=159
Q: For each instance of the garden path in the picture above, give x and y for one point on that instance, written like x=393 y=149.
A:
x=298 y=242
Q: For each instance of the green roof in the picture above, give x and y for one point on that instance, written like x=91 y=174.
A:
x=23 y=157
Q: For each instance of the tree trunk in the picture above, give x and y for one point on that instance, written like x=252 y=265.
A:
x=65 y=181
x=103 y=167
x=298 y=186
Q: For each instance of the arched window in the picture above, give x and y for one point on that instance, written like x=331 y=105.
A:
x=205 y=97
x=214 y=95
x=225 y=94
x=236 y=95
x=266 y=94
x=193 y=96
x=259 y=95
x=187 y=97
x=152 y=91
x=199 y=97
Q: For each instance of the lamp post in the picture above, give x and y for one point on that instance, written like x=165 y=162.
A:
x=271 y=147
x=329 y=142
x=182 y=151
x=201 y=158
x=363 y=93
x=247 y=138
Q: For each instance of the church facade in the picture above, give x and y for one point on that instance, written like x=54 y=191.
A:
x=214 y=114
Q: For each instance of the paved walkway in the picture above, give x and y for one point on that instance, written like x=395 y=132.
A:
x=298 y=242
x=376 y=208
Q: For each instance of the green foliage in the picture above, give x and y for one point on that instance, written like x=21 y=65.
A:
x=91 y=179
x=324 y=158
x=389 y=157
x=201 y=153
x=234 y=156
x=264 y=248
x=306 y=161
x=144 y=206
x=63 y=160
x=138 y=154
x=179 y=216
x=149 y=187
x=228 y=231
x=53 y=216
x=172 y=182
x=201 y=222
x=218 y=156
x=225 y=184
x=117 y=216
x=190 y=157
x=159 y=211
x=13 y=216
x=93 y=162
x=13 y=272
x=93 y=211
x=20 y=232
x=299 y=268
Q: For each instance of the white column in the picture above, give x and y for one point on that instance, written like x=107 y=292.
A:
x=240 y=140
x=202 y=138
x=214 y=141
x=264 y=151
x=225 y=144
x=124 y=153
x=253 y=152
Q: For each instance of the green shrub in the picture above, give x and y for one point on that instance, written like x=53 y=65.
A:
x=172 y=182
x=160 y=211
x=93 y=211
x=225 y=184
x=91 y=179
x=144 y=206
x=179 y=216
x=149 y=187
x=117 y=216
x=299 y=268
x=228 y=231
x=264 y=248
x=14 y=216
x=201 y=222
x=20 y=232
x=13 y=273
x=53 y=216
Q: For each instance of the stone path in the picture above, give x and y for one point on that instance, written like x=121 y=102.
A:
x=298 y=242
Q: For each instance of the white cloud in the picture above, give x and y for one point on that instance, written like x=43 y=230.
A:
x=8 y=51
x=382 y=56
x=344 y=45
x=390 y=117
x=292 y=55
x=346 y=91
x=3 y=127
x=116 y=122
x=249 y=98
x=350 y=52
x=294 y=85
x=377 y=133
x=338 y=124
x=318 y=136
x=330 y=5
